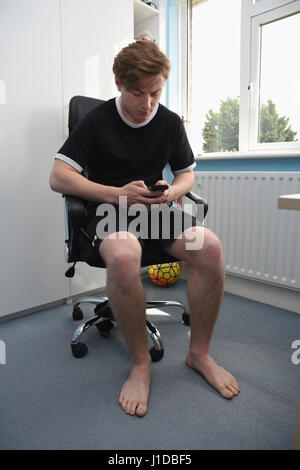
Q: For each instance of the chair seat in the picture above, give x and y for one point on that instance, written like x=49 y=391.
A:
x=149 y=257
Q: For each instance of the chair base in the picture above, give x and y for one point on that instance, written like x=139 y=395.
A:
x=104 y=319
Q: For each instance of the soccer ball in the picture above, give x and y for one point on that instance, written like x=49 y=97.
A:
x=164 y=274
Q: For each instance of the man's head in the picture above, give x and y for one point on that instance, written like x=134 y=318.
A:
x=141 y=71
x=139 y=64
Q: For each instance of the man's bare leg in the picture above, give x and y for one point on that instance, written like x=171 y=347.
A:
x=205 y=287
x=127 y=300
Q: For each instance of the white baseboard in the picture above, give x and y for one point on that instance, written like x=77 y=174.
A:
x=41 y=308
x=281 y=297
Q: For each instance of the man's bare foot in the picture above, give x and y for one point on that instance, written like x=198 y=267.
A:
x=135 y=391
x=215 y=375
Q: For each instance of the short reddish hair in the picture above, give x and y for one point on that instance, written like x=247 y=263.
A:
x=140 y=63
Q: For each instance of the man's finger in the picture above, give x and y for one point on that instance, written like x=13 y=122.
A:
x=139 y=183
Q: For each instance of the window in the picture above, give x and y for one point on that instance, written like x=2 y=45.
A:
x=275 y=79
x=215 y=78
x=245 y=76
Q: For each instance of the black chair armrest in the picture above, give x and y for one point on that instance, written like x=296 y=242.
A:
x=75 y=214
x=198 y=200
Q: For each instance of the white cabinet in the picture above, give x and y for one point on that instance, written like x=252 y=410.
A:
x=50 y=51
x=31 y=252
x=93 y=32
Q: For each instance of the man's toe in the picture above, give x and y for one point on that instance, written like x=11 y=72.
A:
x=226 y=392
x=141 y=409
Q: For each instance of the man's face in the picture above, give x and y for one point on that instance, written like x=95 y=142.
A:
x=137 y=105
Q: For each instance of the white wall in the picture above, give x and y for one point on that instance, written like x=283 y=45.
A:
x=49 y=51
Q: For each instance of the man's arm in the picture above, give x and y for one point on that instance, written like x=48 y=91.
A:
x=67 y=180
x=182 y=183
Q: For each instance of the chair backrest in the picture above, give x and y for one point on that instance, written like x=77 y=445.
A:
x=79 y=106
x=75 y=208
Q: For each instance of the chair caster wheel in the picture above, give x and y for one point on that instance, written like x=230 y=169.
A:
x=79 y=349
x=185 y=318
x=77 y=313
x=156 y=355
x=104 y=327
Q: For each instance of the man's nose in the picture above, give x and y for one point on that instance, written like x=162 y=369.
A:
x=147 y=101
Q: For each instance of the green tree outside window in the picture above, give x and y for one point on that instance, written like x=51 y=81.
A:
x=221 y=129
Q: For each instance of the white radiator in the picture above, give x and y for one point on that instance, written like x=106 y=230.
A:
x=259 y=240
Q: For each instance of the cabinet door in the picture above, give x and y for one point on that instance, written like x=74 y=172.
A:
x=32 y=228
x=93 y=32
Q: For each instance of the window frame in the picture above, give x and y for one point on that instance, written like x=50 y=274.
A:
x=253 y=16
x=252 y=11
x=178 y=52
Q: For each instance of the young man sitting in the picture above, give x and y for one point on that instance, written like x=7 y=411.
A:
x=125 y=144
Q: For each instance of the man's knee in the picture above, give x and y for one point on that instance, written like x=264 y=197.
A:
x=209 y=251
x=121 y=253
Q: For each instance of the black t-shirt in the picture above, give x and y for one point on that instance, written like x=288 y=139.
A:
x=114 y=154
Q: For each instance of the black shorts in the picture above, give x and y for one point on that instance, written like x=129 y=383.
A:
x=157 y=228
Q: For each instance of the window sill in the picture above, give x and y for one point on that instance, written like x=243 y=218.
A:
x=233 y=155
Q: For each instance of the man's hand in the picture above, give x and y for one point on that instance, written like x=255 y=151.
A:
x=138 y=193
x=167 y=195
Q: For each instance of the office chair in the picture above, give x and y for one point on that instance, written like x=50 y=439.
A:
x=78 y=248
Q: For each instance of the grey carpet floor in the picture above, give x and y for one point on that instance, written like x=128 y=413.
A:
x=50 y=400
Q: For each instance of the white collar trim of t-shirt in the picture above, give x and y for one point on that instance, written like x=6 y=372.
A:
x=130 y=123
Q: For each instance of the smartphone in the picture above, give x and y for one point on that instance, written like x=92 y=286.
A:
x=158 y=187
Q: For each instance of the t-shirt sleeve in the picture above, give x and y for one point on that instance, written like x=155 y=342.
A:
x=79 y=145
x=182 y=158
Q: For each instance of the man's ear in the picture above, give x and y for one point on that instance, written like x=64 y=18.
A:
x=117 y=83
